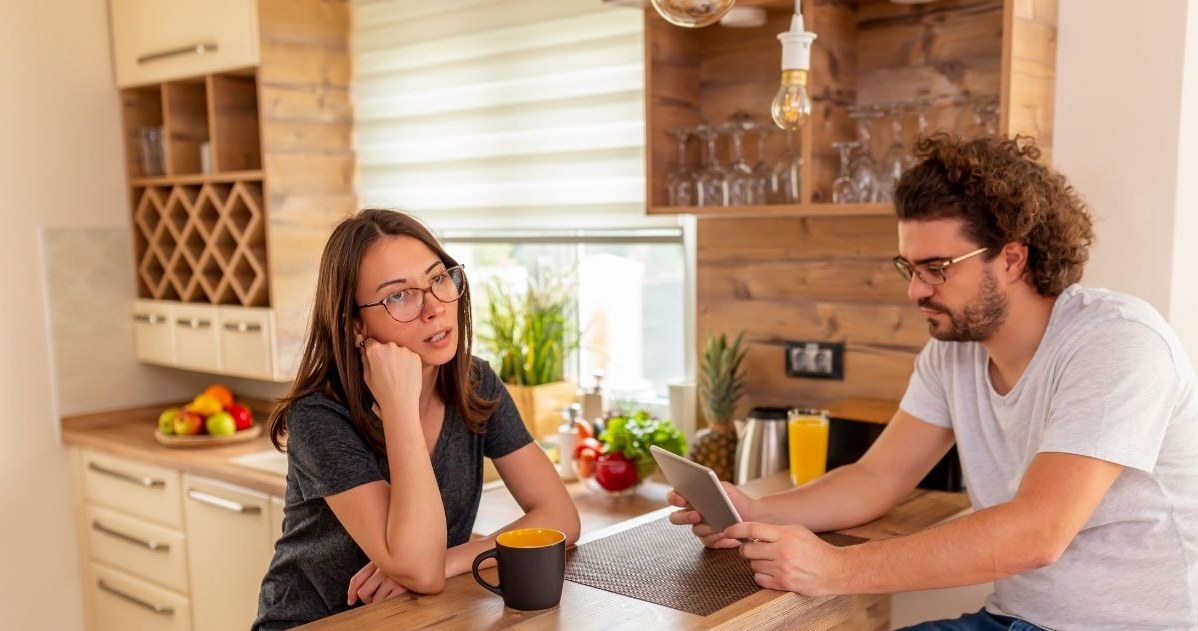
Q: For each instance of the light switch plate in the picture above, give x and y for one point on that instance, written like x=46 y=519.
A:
x=815 y=360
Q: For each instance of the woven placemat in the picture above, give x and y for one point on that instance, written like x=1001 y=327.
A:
x=665 y=564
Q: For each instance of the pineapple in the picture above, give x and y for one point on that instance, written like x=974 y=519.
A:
x=721 y=384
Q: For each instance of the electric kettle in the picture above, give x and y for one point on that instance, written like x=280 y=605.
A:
x=762 y=448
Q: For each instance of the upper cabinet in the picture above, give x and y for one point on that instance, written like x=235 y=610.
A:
x=156 y=41
x=236 y=176
x=963 y=64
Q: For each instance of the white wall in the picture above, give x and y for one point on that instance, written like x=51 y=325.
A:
x=1125 y=136
x=59 y=165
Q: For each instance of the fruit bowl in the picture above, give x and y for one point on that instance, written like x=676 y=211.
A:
x=593 y=485
x=207 y=440
x=621 y=477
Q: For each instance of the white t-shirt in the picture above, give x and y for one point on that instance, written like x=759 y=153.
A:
x=1110 y=380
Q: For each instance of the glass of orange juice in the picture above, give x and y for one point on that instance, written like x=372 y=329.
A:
x=807 y=433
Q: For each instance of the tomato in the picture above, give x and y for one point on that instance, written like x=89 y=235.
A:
x=584 y=462
x=614 y=472
x=585 y=443
x=584 y=429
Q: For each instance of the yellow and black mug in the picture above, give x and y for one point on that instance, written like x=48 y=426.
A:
x=532 y=567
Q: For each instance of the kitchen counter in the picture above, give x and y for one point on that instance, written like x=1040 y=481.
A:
x=130 y=434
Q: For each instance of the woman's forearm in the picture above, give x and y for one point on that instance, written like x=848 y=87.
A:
x=415 y=529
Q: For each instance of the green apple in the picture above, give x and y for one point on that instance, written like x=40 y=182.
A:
x=221 y=424
x=166 y=421
x=188 y=423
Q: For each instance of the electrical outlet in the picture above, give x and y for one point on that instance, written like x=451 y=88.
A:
x=815 y=360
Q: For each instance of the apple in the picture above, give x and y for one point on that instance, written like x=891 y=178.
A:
x=221 y=424
x=166 y=421
x=206 y=405
x=188 y=423
x=615 y=472
x=242 y=416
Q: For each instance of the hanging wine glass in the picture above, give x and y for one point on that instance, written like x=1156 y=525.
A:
x=862 y=166
x=788 y=171
x=761 y=182
x=985 y=112
x=891 y=168
x=844 y=190
x=713 y=190
x=692 y=13
x=738 y=177
x=922 y=105
x=680 y=180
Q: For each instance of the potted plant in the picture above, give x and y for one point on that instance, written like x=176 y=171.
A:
x=721 y=385
x=529 y=335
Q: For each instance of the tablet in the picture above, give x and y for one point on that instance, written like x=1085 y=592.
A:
x=699 y=486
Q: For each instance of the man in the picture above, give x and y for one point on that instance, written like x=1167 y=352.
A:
x=1074 y=411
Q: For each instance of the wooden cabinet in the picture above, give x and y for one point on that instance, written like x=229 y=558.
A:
x=229 y=543
x=869 y=52
x=167 y=550
x=236 y=176
x=156 y=41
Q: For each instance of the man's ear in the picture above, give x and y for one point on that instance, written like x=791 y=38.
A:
x=1014 y=257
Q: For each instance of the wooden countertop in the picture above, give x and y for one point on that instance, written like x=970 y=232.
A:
x=130 y=434
x=464 y=604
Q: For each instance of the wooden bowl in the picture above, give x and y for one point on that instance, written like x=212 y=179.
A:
x=205 y=440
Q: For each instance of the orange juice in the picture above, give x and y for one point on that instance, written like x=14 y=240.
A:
x=807 y=433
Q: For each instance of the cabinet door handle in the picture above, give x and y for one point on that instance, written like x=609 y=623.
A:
x=145 y=481
x=149 y=318
x=243 y=327
x=153 y=546
x=194 y=323
x=202 y=48
x=220 y=502
x=158 y=609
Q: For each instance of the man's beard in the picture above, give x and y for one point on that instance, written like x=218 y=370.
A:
x=977 y=321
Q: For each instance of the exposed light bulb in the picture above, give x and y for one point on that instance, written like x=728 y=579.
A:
x=692 y=13
x=791 y=106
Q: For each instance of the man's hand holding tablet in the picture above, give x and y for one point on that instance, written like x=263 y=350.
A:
x=710 y=506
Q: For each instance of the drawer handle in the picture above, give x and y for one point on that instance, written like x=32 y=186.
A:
x=149 y=318
x=158 y=609
x=202 y=48
x=153 y=546
x=145 y=481
x=194 y=323
x=243 y=327
x=220 y=502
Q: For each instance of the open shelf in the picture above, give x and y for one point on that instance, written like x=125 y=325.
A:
x=783 y=210
x=869 y=52
x=169 y=180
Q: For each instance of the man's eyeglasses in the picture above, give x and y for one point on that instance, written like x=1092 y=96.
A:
x=406 y=305
x=930 y=273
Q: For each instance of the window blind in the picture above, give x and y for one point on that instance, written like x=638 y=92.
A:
x=502 y=114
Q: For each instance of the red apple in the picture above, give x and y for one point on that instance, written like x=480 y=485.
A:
x=188 y=423
x=242 y=416
x=614 y=472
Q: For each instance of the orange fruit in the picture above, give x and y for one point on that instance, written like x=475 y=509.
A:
x=220 y=393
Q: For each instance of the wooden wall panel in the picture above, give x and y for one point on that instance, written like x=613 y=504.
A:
x=827 y=279
x=308 y=159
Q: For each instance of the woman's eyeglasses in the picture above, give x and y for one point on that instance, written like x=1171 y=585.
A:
x=406 y=305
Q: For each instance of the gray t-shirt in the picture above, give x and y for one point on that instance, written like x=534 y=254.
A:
x=1110 y=380
x=315 y=558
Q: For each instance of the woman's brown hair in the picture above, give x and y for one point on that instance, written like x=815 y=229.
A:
x=331 y=363
x=1004 y=196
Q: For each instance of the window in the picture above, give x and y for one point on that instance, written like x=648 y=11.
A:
x=630 y=292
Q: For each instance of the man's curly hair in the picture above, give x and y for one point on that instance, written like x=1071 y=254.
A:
x=1004 y=196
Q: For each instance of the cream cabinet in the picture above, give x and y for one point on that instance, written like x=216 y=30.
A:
x=156 y=41
x=123 y=602
x=228 y=551
x=226 y=340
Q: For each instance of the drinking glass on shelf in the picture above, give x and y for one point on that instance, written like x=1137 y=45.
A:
x=711 y=182
x=788 y=171
x=922 y=106
x=985 y=111
x=862 y=166
x=893 y=160
x=844 y=190
x=150 y=147
x=762 y=181
x=738 y=177
x=680 y=180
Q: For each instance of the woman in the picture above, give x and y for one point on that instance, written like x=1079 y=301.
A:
x=387 y=391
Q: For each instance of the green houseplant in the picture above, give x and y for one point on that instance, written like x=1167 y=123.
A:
x=528 y=335
x=721 y=385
